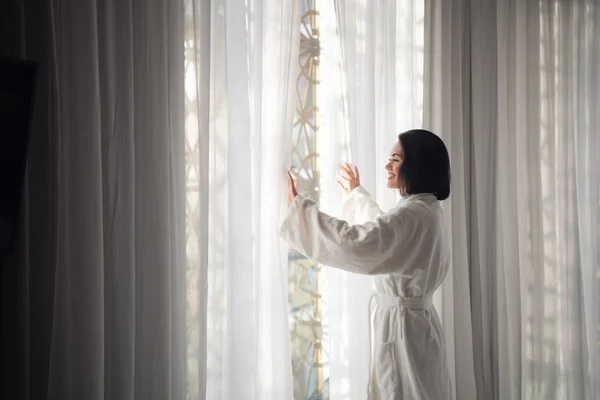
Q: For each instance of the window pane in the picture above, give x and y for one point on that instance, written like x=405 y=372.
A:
x=306 y=280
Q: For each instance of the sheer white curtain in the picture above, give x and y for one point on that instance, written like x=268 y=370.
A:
x=244 y=62
x=560 y=300
x=118 y=317
x=447 y=102
x=510 y=85
x=371 y=79
x=103 y=234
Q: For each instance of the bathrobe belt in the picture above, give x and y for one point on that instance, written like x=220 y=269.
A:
x=384 y=301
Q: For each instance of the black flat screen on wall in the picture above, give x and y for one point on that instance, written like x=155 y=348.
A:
x=17 y=88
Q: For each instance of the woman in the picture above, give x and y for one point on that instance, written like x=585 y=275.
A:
x=405 y=249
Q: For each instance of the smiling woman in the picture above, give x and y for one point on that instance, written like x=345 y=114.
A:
x=407 y=251
x=393 y=166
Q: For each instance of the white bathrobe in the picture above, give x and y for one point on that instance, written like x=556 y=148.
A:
x=407 y=252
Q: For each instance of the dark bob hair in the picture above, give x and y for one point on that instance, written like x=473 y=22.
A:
x=426 y=164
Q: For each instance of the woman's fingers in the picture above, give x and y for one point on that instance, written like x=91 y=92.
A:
x=292 y=193
x=292 y=182
x=348 y=178
x=347 y=172
x=348 y=168
x=342 y=186
x=346 y=175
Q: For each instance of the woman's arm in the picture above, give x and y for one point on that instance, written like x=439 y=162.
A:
x=359 y=207
x=382 y=246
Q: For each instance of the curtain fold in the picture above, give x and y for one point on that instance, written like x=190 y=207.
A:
x=240 y=107
x=561 y=301
x=448 y=97
x=512 y=89
x=118 y=323
x=371 y=74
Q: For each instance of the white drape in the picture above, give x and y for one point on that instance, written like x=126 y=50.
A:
x=512 y=88
x=560 y=301
x=447 y=102
x=118 y=327
x=371 y=75
x=246 y=64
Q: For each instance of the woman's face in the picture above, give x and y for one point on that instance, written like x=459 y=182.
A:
x=393 y=166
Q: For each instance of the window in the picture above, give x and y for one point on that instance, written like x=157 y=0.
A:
x=307 y=309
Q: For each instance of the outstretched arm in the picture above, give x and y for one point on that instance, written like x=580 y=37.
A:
x=378 y=247
x=359 y=207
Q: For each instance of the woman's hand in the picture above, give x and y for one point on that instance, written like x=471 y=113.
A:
x=348 y=179
x=292 y=192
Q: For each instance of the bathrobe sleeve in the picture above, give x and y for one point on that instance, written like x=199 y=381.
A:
x=359 y=207
x=385 y=245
